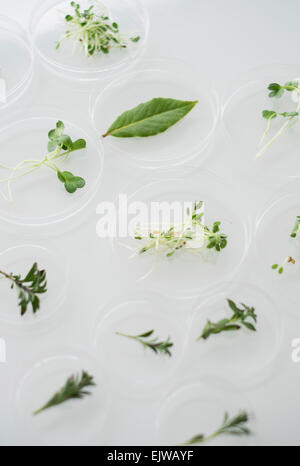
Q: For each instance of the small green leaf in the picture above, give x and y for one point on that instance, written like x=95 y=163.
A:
x=135 y=39
x=71 y=187
x=150 y=118
x=269 y=114
x=80 y=182
x=79 y=144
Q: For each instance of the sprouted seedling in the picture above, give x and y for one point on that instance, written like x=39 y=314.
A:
x=230 y=426
x=158 y=347
x=277 y=91
x=60 y=146
x=96 y=33
x=239 y=318
x=74 y=388
x=193 y=235
x=28 y=288
x=289 y=260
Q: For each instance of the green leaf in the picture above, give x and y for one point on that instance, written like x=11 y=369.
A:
x=276 y=90
x=150 y=118
x=269 y=114
x=79 y=144
x=80 y=182
x=135 y=39
x=71 y=187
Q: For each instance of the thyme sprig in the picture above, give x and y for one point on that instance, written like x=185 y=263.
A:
x=158 y=347
x=28 y=288
x=289 y=259
x=74 y=388
x=95 y=33
x=60 y=146
x=239 y=319
x=230 y=426
x=277 y=91
x=193 y=235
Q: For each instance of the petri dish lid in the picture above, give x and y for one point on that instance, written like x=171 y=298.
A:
x=184 y=141
x=39 y=199
x=16 y=61
x=48 y=25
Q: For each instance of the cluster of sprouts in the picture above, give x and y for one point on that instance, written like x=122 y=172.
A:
x=93 y=31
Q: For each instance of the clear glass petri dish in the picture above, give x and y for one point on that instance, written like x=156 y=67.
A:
x=274 y=244
x=48 y=25
x=242 y=118
x=186 y=274
x=39 y=198
x=76 y=422
x=186 y=140
x=199 y=408
x=19 y=260
x=136 y=372
x=16 y=62
x=245 y=357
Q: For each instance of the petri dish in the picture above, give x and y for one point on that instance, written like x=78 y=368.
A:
x=19 y=260
x=76 y=422
x=184 y=141
x=198 y=408
x=274 y=244
x=242 y=118
x=39 y=199
x=16 y=62
x=48 y=25
x=134 y=371
x=245 y=357
x=186 y=274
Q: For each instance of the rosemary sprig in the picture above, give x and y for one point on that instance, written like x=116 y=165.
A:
x=28 y=288
x=158 y=347
x=94 y=32
x=230 y=426
x=194 y=236
x=238 y=319
x=73 y=389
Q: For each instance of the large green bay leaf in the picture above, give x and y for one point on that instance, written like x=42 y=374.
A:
x=150 y=118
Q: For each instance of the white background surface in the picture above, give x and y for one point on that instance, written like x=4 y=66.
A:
x=222 y=38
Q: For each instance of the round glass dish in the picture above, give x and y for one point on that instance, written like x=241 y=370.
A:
x=244 y=356
x=16 y=61
x=186 y=274
x=242 y=117
x=198 y=409
x=274 y=245
x=186 y=140
x=39 y=198
x=76 y=422
x=19 y=260
x=138 y=372
x=48 y=25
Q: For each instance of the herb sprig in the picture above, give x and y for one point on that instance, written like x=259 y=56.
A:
x=230 y=426
x=239 y=319
x=277 y=91
x=28 y=288
x=74 y=388
x=94 y=32
x=60 y=146
x=158 y=347
x=193 y=236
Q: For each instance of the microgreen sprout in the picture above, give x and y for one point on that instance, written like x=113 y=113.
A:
x=158 y=347
x=95 y=33
x=277 y=91
x=193 y=236
x=289 y=260
x=28 y=288
x=280 y=267
x=74 y=388
x=60 y=146
x=239 y=318
x=230 y=426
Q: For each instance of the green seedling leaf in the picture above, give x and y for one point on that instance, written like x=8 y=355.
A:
x=71 y=182
x=277 y=90
x=269 y=114
x=150 y=118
